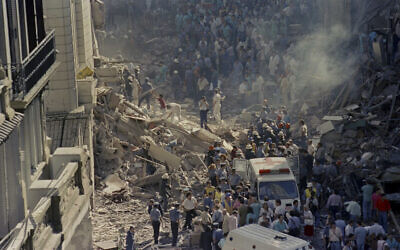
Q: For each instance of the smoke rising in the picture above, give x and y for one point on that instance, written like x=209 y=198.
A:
x=322 y=61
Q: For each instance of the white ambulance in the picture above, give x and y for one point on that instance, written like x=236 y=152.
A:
x=272 y=177
x=257 y=237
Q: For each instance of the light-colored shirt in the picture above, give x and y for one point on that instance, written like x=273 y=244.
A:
x=349 y=229
x=203 y=105
x=232 y=222
x=308 y=218
x=376 y=229
x=280 y=210
x=189 y=204
x=354 y=208
x=334 y=200
x=335 y=235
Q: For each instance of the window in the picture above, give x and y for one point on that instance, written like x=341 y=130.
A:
x=278 y=190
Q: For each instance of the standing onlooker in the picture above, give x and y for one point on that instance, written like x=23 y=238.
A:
x=189 y=205
x=155 y=216
x=294 y=224
x=204 y=107
x=308 y=222
x=174 y=216
x=303 y=132
x=335 y=237
x=375 y=197
x=130 y=239
x=360 y=234
x=217 y=235
x=334 y=204
x=367 y=190
x=383 y=207
x=354 y=209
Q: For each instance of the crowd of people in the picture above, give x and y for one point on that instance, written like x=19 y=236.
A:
x=246 y=43
x=323 y=214
x=237 y=41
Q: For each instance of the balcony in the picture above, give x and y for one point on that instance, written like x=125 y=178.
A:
x=35 y=70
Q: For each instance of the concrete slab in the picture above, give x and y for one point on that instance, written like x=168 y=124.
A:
x=325 y=127
x=160 y=154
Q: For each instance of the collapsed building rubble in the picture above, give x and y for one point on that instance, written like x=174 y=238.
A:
x=133 y=151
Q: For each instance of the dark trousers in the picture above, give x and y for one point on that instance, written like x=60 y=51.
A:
x=190 y=214
x=334 y=210
x=156 y=230
x=203 y=118
x=147 y=99
x=174 y=230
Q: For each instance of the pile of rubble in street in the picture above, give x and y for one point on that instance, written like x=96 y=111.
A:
x=132 y=152
x=359 y=129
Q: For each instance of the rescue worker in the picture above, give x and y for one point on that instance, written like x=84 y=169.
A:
x=174 y=216
x=165 y=191
x=147 y=88
x=156 y=219
x=204 y=107
x=130 y=239
x=217 y=105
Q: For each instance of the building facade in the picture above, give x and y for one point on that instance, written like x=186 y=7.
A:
x=46 y=182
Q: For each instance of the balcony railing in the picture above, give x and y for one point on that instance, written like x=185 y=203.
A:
x=34 y=67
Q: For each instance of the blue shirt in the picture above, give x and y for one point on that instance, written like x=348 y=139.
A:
x=278 y=226
x=360 y=234
x=130 y=242
x=256 y=209
x=174 y=215
x=367 y=192
x=218 y=234
x=294 y=222
x=208 y=202
x=341 y=225
x=155 y=214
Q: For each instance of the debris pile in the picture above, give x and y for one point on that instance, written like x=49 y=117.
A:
x=133 y=151
x=361 y=132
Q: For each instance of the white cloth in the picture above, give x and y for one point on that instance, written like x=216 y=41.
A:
x=308 y=218
x=175 y=110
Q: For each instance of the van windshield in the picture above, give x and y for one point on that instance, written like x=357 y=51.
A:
x=278 y=190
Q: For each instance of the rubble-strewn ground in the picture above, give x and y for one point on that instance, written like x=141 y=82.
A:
x=357 y=122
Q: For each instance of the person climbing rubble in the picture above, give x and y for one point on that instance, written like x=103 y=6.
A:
x=147 y=89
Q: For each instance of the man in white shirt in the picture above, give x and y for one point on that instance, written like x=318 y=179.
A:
x=233 y=221
x=354 y=209
x=189 y=205
x=279 y=209
x=217 y=105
